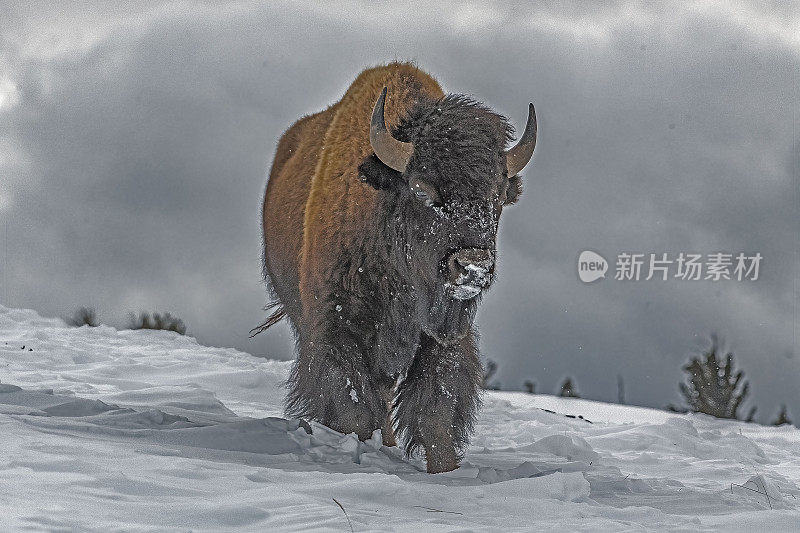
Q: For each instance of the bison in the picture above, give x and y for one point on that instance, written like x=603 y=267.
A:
x=379 y=225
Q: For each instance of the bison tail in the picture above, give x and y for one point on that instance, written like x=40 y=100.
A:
x=273 y=319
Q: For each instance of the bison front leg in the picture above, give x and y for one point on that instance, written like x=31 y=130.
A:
x=330 y=383
x=438 y=400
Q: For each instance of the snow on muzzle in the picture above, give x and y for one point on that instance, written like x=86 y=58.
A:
x=469 y=272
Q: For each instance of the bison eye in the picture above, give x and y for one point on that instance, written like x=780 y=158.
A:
x=425 y=192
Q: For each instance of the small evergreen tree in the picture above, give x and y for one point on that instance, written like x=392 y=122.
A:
x=529 y=387
x=165 y=322
x=568 y=390
x=783 y=417
x=489 y=370
x=713 y=388
x=84 y=316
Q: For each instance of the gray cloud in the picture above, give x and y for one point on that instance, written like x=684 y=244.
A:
x=134 y=145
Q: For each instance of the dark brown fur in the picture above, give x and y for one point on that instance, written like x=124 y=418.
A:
x=356 y=261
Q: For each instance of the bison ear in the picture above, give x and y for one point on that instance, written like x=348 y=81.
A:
x=375 y=173
x=514 y=189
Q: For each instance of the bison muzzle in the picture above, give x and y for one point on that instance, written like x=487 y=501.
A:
x=380 y=224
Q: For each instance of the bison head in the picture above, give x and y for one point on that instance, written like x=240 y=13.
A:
x=446 y=176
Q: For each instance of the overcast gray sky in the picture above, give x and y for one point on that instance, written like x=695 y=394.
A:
x=135 y=140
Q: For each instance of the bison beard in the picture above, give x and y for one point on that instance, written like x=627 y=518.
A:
x=378 y=242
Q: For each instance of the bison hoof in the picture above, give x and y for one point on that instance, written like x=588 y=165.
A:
x=439 y=461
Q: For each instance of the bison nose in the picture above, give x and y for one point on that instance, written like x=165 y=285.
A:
x=470 y=271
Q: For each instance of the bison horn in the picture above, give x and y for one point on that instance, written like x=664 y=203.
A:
x=393 y=153
x=518 y=157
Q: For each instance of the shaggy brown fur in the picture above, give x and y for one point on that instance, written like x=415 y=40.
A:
x=315 y=204
x=356 y=263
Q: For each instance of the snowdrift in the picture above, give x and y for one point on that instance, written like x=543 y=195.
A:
x=148 y=430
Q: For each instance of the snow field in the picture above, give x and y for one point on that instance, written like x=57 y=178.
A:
x=106 y=430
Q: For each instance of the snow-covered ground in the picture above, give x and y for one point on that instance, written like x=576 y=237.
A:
x=147 y=430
